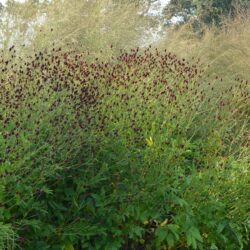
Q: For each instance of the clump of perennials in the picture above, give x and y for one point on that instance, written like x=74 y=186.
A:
x=59 y=108
x=132 y=90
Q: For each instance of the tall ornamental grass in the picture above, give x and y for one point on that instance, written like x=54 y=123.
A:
x=225 y=49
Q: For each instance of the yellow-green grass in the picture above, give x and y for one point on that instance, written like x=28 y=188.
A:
x=225 y=49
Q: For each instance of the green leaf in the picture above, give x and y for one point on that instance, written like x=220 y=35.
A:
x=68 y=246
x=193 y=235
x=161 y=234
x=221 y=226
x=170 y=240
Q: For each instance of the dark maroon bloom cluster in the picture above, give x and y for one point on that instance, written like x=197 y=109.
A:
x=64 y=93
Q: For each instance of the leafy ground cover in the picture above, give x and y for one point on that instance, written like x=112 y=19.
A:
x=139 y=151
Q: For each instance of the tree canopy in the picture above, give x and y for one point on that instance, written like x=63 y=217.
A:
x=204 y=11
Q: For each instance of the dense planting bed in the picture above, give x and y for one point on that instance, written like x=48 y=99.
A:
x=142 y=151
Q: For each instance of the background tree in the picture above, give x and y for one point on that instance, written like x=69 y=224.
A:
x=204 y=11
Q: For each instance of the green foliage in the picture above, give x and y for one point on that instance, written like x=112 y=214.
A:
x=134 y=152
x=7 y=235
